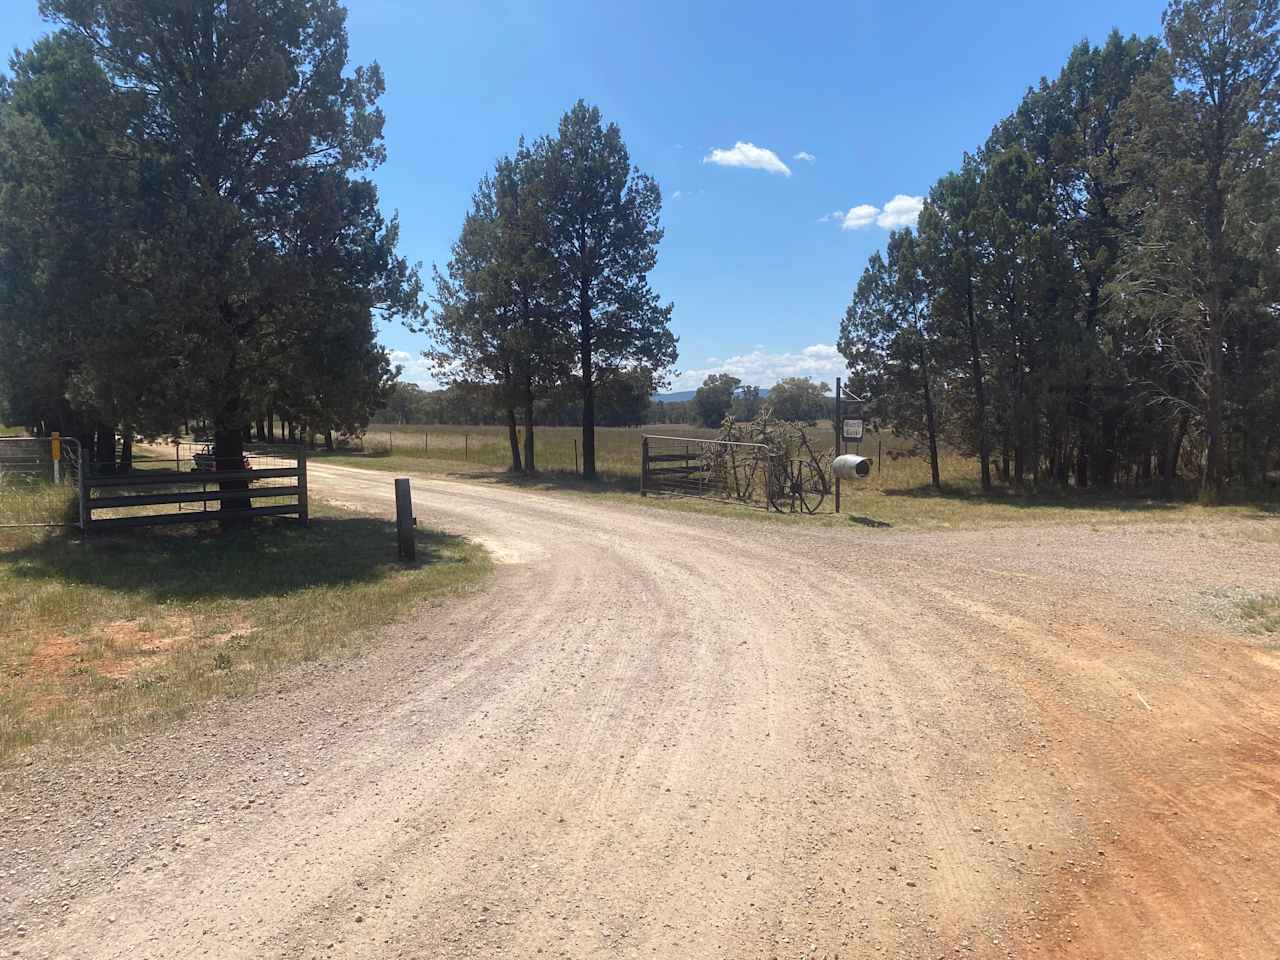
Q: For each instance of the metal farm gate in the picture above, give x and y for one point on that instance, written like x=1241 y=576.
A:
x=716 y=469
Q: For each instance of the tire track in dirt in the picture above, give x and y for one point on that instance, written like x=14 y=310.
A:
x=678 y=735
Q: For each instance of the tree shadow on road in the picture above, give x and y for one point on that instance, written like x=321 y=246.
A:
x=271 y=559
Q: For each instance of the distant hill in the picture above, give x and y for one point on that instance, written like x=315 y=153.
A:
x=680 y=396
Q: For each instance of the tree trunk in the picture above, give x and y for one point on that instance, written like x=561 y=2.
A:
x=931 y=423
x=228 y=454
x=328 y=440
x=1212 y=480
x=126 y=452
x=586 y=347
x=271 y=426
x=979 y=395
x=530 y=464
x=509 y=405
x=104 y=450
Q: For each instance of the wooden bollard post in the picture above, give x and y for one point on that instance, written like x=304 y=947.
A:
x=405 y=520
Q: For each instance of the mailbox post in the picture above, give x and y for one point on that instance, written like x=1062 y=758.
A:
x=405 y=521
x=846 y=430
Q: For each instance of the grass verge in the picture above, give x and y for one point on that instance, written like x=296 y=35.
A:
x=102 y=637
x=898 y=498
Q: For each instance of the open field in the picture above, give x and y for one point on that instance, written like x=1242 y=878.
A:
x=897 y=494
x=103 y=637
x=696 y=736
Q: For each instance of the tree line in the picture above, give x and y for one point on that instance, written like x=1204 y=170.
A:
x=187 y=228
x=1094 y=295
x=547 y=288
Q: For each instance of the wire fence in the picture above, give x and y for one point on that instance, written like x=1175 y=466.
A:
x=39 y=481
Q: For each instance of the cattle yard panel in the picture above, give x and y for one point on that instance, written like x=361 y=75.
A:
x=715 y=469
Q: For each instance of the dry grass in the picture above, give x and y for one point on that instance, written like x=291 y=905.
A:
x=101 y=637
x=897 y=494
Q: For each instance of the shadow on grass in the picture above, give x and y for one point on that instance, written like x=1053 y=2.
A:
x=201 y=563
x=871 y=522
x=558 y=480
x=1029 y=499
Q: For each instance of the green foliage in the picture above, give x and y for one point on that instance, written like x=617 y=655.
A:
x=548 y=289
x=888 y=336
x=800 y=400
x=1093 y=296
x=714 y=398
x=182 y=268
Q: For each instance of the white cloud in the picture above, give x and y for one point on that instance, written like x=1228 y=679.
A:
x=750 y=156
x=677 y=195
x=821 y=361
x=417 y=369
x=901 y=211
x=804 y=155
x=863 y=215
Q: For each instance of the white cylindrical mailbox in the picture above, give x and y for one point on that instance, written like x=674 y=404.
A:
x=849 y=466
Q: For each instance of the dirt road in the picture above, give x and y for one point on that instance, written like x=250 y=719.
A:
x=659 y=734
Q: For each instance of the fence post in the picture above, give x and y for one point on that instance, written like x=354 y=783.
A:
x=426 y=444
x=879 y=456
x=391 y=443
x=405 y=521
x=575 y=455
x=644 y=465
x=82 y=493
x=466 y=446
x=303 y=506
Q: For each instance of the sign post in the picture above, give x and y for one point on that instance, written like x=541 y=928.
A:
x=55 y=448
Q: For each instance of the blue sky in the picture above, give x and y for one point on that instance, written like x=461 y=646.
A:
x=884 y=97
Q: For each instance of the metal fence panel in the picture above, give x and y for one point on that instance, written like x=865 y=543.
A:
x=39 y=481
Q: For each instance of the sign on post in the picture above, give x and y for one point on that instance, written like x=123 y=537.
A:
x=55 y=449
x=853 y=430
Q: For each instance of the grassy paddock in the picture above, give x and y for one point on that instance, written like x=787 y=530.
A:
x=897 y=494
x=101 y=637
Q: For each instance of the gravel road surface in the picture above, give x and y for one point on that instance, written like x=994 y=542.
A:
x=665 y=734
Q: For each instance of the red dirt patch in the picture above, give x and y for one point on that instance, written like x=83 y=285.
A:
x=117 y=650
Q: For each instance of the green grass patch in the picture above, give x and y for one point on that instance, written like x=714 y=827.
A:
x=105 y=636
x=12 y=431
x=1262 y=614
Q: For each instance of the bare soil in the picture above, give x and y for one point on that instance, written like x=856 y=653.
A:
x=664 y=734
